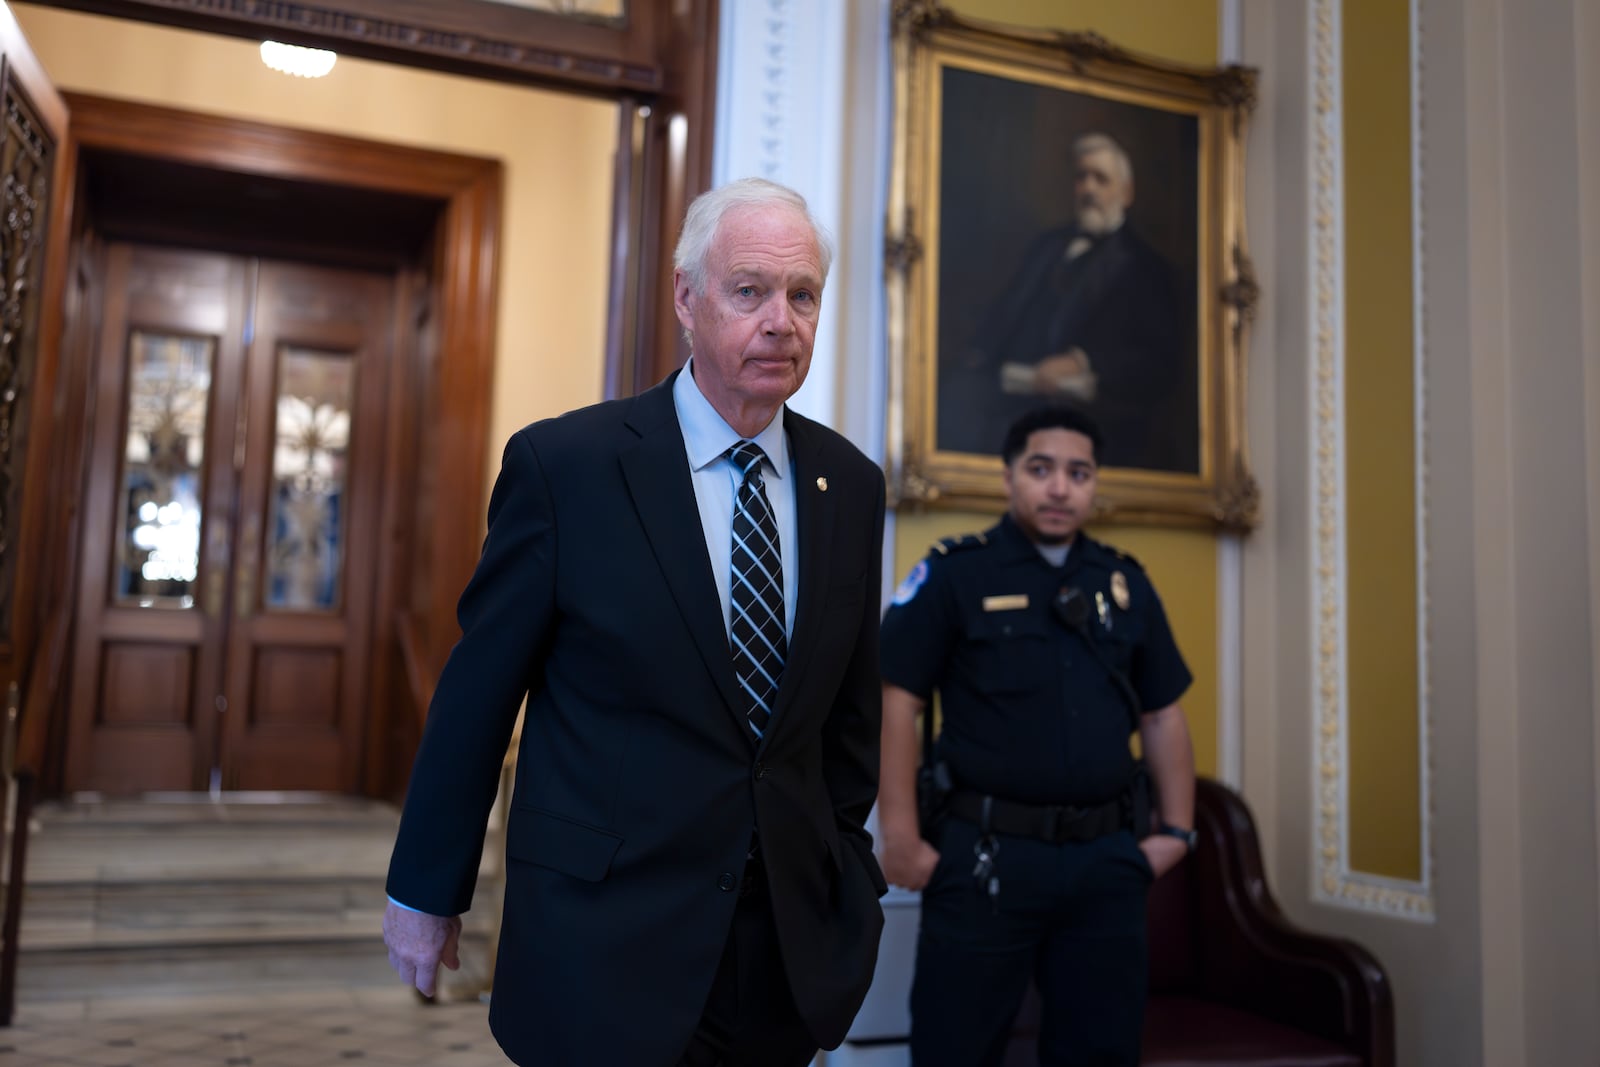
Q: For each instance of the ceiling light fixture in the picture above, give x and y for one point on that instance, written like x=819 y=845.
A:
x=300 y=62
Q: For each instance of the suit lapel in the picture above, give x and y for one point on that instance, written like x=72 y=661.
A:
x=814 y=518
x=656 y=469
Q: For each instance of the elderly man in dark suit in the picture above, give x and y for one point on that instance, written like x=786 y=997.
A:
x=683 y=584
x=1092 y=316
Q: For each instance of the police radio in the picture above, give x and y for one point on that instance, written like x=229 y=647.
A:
x=1072 y=608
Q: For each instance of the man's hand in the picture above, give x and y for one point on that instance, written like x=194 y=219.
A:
x=908 y=860
x=1067 y=373
x=1164 y=736
x=1164 y=852
x=418 y=943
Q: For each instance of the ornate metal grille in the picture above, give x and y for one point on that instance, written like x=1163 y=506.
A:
x=26 y=159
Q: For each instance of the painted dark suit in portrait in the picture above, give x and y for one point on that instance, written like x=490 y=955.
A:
x=1113 y=298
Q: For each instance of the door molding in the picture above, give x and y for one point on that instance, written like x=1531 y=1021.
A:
x=430 y=541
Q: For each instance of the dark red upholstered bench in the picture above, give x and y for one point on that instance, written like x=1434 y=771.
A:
x=1232 y=981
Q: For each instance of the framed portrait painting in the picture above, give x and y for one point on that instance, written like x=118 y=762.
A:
x=1066 y=227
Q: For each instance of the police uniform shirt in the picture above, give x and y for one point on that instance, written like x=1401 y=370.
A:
x=1029 y=713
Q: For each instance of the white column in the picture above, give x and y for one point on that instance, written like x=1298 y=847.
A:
x=802 y=99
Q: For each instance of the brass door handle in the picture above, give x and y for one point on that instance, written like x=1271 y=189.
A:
x=244 y=588
x=244 y=582
x=216 y=560
x=216 y=575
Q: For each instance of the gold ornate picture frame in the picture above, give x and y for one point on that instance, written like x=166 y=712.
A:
x=1066 y=224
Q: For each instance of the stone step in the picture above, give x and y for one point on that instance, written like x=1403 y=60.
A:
x=143 y=914
x=187 y=896
x=152 y=915
x=128 y=860
x=193 y=810
x=226 y=968
x=170 y=843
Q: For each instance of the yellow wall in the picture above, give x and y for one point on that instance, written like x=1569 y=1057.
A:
x=557 y=150
x=1385 y=829
x=1181 y=562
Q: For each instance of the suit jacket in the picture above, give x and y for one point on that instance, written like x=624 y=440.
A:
x=638 y=780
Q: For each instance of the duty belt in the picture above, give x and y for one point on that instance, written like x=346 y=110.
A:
x=1055 y=823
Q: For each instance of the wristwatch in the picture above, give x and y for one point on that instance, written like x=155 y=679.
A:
x=1190 y=838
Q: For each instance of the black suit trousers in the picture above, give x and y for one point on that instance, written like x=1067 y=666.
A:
x=750 y=1019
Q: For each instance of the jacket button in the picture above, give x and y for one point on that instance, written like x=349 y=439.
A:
x=727 y=882
x=761 y=771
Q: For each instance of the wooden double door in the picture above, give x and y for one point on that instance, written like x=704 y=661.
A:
x=231 y=523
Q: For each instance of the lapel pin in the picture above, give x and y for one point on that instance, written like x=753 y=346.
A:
x=822 y=483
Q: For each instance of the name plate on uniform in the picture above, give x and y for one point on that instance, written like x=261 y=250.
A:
x=1009 y=602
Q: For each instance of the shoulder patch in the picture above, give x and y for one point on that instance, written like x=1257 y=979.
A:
x=1118 y=555
x=1129 y=560
x=908 y=588
x=958 y=544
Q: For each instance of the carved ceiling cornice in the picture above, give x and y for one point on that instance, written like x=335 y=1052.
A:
x=460 y=36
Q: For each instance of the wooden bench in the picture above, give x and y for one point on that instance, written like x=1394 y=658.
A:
x=1232 y=980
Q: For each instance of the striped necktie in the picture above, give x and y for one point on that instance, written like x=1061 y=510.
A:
x=756 y=626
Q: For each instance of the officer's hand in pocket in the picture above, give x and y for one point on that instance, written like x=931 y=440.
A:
x=908 y=860
x=1163 y=852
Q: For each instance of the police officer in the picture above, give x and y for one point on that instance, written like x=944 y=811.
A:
x=1047 y=650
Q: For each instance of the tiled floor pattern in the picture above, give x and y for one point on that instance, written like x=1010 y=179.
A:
x=388 y=1029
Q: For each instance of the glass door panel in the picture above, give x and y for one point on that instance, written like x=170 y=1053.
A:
x=306 y=525
x=163 y=457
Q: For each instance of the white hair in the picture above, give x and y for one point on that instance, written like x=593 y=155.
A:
x=1090 y=143
x=706 y=212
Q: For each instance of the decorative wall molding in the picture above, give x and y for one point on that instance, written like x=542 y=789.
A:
x=1422 y=457
x=782 y=115
x=771 y=59
x=771 y=139
x=1335 y=882
x=1230 y=547
x=530 y=53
